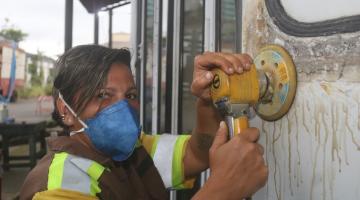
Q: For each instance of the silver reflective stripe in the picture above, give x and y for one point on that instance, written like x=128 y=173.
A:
x=75 y=178
x=82 y=163
x=163 y=157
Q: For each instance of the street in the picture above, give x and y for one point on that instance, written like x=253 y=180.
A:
x=30 y=110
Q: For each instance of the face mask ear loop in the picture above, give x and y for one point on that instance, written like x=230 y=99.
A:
x=72 y=112
x=78 y=131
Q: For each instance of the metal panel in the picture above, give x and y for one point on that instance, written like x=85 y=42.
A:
x=69 y=4
x=312 y=153
x=95 y=5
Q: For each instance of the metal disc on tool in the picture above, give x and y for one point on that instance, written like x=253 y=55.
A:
x=279 y=67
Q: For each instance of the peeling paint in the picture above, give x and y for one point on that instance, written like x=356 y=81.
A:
x=313 y=152
x=329 y=58
x=305 y=158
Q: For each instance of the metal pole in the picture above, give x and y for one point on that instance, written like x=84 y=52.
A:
x=143 y=62
x=177 y=50
x=136 y=45
x=156 y=66
x=96 y=28
x=218 y=25
x=210 y=44
x=210 y=26
x=169 y=64
x=110 y=27
x=176 y=68
x=68 y=24
x=136 y=30
x=238 y=29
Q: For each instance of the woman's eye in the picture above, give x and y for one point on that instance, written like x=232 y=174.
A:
x=131 y=96
x=103 y=95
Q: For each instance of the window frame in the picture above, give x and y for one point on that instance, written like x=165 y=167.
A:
x=293 y=27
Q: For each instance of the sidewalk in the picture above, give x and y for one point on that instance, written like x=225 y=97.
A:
x=22 y=111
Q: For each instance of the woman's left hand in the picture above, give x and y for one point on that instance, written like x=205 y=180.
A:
x=203 y=64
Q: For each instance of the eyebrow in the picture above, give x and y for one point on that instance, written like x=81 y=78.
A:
x=131 y=88
x=108 y=88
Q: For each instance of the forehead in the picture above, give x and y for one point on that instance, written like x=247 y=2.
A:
x=119 y=76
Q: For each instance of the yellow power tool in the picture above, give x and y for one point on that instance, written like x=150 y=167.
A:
x=269 y=87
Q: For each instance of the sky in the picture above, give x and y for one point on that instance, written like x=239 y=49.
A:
x=44 y=22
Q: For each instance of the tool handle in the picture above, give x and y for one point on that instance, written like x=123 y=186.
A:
x=240 y=124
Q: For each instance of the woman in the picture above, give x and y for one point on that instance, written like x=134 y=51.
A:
x=105 y=155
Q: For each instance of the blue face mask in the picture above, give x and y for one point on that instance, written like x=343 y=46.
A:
x=114 y=130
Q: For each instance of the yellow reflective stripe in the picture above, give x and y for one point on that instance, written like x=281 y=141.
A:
x=95 y=170
x=177 y=162
x=94 y=187
x=154 y=145
x=147 y=142
x=56 y=170
x=62 y=194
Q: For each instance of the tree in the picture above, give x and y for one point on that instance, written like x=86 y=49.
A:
x=13 y=34
x=36 y=70
x=9 y=32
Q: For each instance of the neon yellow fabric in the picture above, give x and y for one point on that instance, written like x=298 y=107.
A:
x=56 y=171
x=153 y=148
x=178 y=177
x=61 y=194
x=95 y=171
x=150 y=142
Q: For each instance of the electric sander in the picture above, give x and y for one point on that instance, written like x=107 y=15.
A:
x=269 y=87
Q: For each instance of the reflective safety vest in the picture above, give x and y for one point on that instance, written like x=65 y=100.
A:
x=167 y=152
x=156 y=156
x=74 y=173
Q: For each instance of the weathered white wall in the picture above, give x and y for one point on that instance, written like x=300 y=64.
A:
x=320 y=10
x=314 y=151
x=6 y=63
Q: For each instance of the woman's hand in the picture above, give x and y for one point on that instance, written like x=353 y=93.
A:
x=208 y=117
x=203 y=64
x=237 y=167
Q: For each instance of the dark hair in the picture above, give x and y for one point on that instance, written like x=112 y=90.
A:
x=82 y=71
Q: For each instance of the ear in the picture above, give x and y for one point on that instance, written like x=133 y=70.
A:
x=67 y=117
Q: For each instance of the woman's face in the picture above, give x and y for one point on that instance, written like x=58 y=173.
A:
x=120 y=85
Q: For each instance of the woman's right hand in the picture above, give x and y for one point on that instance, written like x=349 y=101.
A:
x=237 y=166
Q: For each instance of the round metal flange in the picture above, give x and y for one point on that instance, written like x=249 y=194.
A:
x=279 y=67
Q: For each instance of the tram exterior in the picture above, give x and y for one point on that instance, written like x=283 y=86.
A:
x=313 y=152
